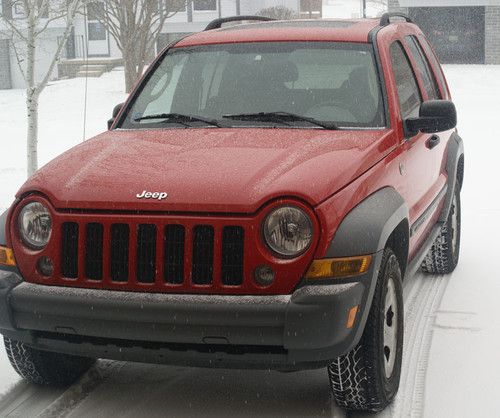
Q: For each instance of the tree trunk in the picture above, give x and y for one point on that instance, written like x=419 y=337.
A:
x=130 y=70
x=32 y=134
x=32 y=95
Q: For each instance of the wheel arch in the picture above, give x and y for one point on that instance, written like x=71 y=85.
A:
x=3 y=227
x=399 y=242
x=380 y=218
x=455 y=168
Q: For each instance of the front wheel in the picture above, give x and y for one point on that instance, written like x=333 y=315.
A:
x=44 y=367
x=367 y=378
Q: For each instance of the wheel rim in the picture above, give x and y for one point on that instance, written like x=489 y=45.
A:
x=454 y=224
x=390 y=328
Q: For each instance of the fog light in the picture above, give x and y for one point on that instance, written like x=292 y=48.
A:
x=264 y=276
x=45 y=266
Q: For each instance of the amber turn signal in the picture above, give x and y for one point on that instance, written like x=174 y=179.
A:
x=338 y=267
x=7 y=257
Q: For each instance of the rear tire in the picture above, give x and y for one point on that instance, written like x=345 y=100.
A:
x=367 y=378
x=44 y=367
x=443 y=256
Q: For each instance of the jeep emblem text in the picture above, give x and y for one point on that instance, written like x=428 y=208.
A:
x=151 y=195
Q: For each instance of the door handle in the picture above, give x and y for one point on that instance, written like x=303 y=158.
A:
x=433 y=141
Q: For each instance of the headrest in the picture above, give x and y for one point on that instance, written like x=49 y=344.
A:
x=281 y=72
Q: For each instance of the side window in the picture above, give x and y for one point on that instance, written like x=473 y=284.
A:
x=430 y=83
x=435 y=64
x=406 y=83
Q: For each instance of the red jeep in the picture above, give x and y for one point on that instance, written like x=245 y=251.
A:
x=256 y=203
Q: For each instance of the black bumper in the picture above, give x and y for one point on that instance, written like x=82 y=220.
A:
x=304 y=330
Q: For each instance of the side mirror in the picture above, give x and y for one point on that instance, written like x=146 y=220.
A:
x=117 y=109
x=435 y=116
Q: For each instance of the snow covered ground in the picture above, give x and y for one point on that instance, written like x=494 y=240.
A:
x=452 y=324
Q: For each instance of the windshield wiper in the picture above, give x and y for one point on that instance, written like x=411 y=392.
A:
x=281 y=117
x=179 y=118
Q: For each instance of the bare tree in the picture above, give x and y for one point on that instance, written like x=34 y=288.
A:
x=26 y=32
x=135 y=26
x=278 y=12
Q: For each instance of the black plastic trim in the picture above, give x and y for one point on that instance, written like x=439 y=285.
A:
x=385 y=19
x=217 y=23
x=427 y=212
x=455 y=152
x=372 y=38
x=8 y=281
x=367 y=227
x=3 y=225
x=308 y=327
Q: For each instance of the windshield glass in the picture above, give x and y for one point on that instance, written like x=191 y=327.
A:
x=332 y=82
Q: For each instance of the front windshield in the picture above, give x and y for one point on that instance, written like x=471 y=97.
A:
x=326 y=81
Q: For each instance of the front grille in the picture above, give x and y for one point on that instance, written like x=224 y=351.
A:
x=153 y=254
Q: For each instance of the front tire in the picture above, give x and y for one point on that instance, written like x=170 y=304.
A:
x=44 y=367
x=367 y=378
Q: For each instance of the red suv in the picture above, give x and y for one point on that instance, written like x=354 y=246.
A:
x=256 y=203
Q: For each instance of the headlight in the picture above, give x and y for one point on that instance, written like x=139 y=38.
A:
x=35 y=225
x=288 y=231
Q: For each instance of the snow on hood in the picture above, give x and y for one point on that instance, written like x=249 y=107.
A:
x=207 y=170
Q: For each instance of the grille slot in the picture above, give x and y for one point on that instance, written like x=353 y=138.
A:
x=203 y=254
x=146 y=253
x=69 y=250
x=93 y=251
x=232 y=255
x=174 y=240
x=119 y=252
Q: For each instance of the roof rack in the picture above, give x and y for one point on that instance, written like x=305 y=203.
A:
x=386 y=18
x=217 y=23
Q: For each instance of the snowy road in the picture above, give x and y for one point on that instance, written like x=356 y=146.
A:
x=452 y=329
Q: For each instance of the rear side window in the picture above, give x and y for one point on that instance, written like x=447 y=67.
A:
x=435 y=64
x=406 y=83
x=424 y=69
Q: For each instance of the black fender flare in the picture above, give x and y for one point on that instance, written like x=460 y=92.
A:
x=367 y=227
x=365 y=230
x=454 y=169
x=3 y=226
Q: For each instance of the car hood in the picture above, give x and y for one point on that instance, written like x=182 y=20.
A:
x=207 y=170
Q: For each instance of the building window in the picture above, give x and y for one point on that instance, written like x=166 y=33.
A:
x=41 y=8
x=97 y=31
x=205 y=5
x=7 y=9
x=311 y=9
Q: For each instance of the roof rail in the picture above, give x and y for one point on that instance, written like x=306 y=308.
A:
x=386 y=18
x=217 y=23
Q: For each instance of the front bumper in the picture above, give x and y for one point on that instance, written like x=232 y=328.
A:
x=306 y=329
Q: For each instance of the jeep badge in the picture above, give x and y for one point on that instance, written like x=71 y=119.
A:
x=151 y=195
